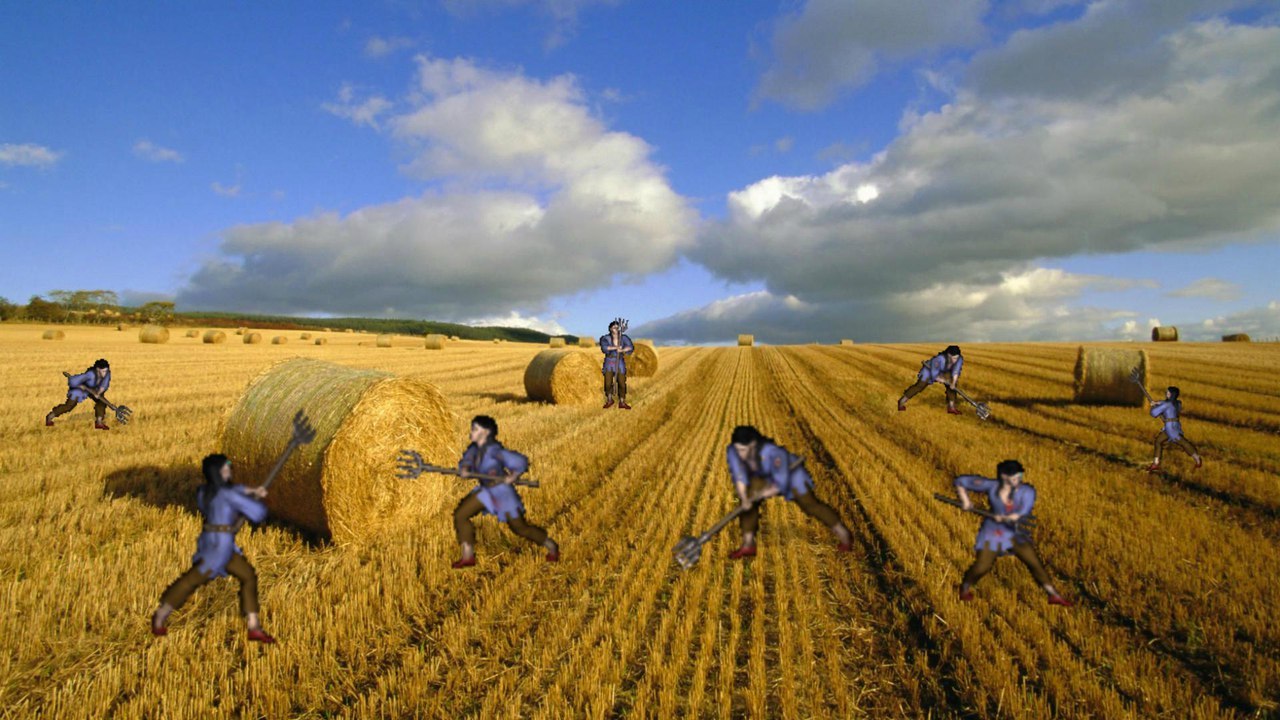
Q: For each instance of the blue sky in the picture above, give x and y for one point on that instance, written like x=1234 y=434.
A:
x=701 y=168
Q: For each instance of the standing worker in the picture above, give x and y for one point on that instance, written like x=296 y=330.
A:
x=616 y=346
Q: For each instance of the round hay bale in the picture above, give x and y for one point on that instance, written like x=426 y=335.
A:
x=496 y=341
x=643 y=361
x=279 y=340
x=322 y=341
x=252 y=338
x=1164 y=334
x=434 y=342
x=586 y=342
x=453 y=338
x=241 y=331
x=562 y=376
x=192 y=333
x=348 y=330
x=1236 y=337
x=384 y=341
x=304 y=336
x=746 y=340
x=342 y=485
x=121 y=327
x=327 y=329
x=153 y=334
x=1102 y=376
x=557 y=342
x=214 y=337
x=846 y=341
x=54 y=335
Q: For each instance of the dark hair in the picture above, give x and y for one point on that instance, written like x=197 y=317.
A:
x=212 y=468
x=1174 y=392
x=1008 y=467
x=614 y=324
x=746 y=434
x=952 y=350
x=101 y=363
x=487 y=423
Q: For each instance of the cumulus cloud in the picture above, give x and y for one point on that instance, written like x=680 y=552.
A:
x=513 y=319
x=148 y=150
x=1259 y=323
x=378 y=47
x=225 y=190
x=831 y=46
x=1000 y=178
x=28 y=155
x=360 y=112
x=1211 y=288
x=535 y=197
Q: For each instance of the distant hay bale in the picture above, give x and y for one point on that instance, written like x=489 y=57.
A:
x=327 y=329
x=241 y=331
x=562 y=376
x=155 y=334
x=348 y=330
x=746 y=340
x=643 y=362
x=364 y=344
x=322 y=341
x=54 y=335
x=846 y=341
x=586 y=342
x=213 y=337
x=192 y=333
x=1102 y=376
x=434 y=342
x=557 y=342
x=279 y=340
x=1164 y=334
x=342 y=485
x=304 y=336
x=496 y=341
x=252 y=338
x=453 y=338
x=1236 y=337
x=121 y=327
x=384 y=341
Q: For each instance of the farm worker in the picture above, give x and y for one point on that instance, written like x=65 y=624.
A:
x=1010 y=499
x=1169 y=410
x=944 y=368
x=217 y=555
x=96 y=378
x=616 y=346
x=485 y=455
x=761 y=469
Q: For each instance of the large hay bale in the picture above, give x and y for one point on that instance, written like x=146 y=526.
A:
x=54 y=335
x=322 y=341
x=304 y=336
x=562 y=376
x=434 y=342
x=846 y=341
x=214 y=337
x=557 y=342
x=1102 y=376
x=1236 y=337
x=384 y=341
x=252 y=338
x=153 y=334
x=586 y=342
x=746 y=340
x=342 y=485
x=279 y=340
x=643 y=361
x=1164 y=334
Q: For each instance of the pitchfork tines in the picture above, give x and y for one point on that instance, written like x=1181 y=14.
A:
x=303 y=432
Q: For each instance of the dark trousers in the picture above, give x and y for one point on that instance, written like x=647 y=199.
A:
x=749 y=521
x=621 y=378
x=471 y=506
x=1026 y=552
x=99 y=409
x=1162 y=440
x=919 y=387
x=177 y=593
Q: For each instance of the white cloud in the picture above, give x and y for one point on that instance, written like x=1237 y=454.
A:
x=784 y=144
x=28 y=155
x=831 y=46
x=225 y=190
x=382 y=46
x=1211 y=288
x=148 y=150
x=514 y=319
x=362 y=112
x=534 y=197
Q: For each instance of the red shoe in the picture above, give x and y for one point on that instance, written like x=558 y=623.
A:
x=844 y=547
x=260 y=635
x=953 y=411
x=902 y=405
x=48 y=422
x=608 y=403
x=1199 y=463
x=157 y=631
x=553 y=556
x=464 y=563
x=98 y=426
x=743 y=552
x=1153 y=468
x=622 y=405
x=966 y=595
x=1059 y=600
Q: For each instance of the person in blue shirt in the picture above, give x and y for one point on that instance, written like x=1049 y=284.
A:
x=616 y=346
x=945 y=368
x=96 y=378
x=222 y=504
x=1010 y=499
x=1169 y=411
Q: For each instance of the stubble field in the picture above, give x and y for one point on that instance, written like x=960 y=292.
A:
x=1174 y=575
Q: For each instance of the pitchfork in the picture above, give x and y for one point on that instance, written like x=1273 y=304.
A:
x=411 y=465
x=689 y=549
x=123 y=413
x=982 y=410
x=303 y=433
x=1135 y=377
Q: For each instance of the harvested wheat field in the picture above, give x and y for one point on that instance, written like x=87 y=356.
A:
x=1174 y=574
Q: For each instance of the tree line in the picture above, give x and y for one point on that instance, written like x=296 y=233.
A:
x=84 y=307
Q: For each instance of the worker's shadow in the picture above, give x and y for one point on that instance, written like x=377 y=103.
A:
x=507 y=397
x=165 y=487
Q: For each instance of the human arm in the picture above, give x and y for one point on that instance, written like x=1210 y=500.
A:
x=627 y=346
x=245 y=501
x=106 y=383
x=515 y=464
x=975 y=483
x=466 y=463
x=1024 y=501
x=738 y=473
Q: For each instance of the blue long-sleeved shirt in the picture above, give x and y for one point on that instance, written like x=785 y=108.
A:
x=936 y=367
x=502 y=501
x=615 y=360
x=223 y=507
x=994 y=535
x=775 y=466
x=88 y=379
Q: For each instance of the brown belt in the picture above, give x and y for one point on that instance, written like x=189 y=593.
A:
x=208 y=527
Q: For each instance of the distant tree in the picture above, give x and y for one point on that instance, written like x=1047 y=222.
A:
x=42 y=310
x=8 y=311
x=157 y=312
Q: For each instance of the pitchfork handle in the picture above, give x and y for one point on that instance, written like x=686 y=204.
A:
x=93 y=393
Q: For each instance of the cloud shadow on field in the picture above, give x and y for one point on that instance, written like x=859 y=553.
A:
x=164 y=487
x=507 y=397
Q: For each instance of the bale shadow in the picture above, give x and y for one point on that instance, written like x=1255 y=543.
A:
x=1025 y=402
x=165 y=487
x=508 y=397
